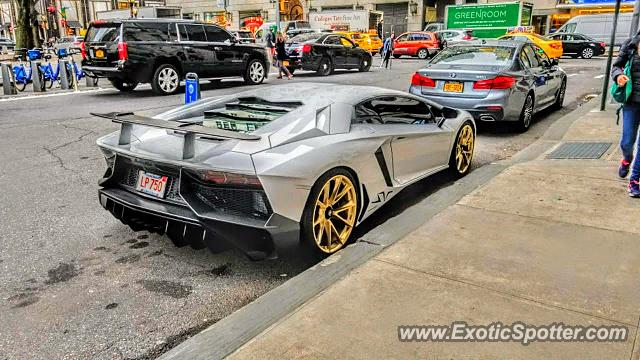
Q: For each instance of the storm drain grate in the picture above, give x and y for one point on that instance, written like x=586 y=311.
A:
x=579 y=150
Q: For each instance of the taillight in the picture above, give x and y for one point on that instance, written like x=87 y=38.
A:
x=229 y=179
x=306 y=48
x=603 y=44
x=123 y=51
x=556 y=46
x=497 y=83
x=421 y=80
x=467 y=37
x=83 y=50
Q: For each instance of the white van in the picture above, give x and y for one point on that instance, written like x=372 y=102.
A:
x=599 y=27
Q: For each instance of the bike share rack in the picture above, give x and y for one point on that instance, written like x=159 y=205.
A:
x=8 y=80
x=64 y=80
x=35 y=77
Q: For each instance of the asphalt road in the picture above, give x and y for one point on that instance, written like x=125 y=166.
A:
x=75 y=283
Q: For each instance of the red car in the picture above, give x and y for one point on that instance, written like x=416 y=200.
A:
x=416 y=43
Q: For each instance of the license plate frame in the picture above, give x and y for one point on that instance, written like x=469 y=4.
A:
x=152 y=184
x=453 y=87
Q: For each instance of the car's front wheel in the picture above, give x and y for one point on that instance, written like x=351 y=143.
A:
x=396 y=56
x=124 y=86
x=330 y=214
x=462 y=152
x=587 y=53
x=255 y=72
x=166 y=80
x=423 y=54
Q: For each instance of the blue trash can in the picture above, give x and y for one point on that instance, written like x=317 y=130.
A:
x=192 y=88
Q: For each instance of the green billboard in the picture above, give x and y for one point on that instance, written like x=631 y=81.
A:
x=488 y=20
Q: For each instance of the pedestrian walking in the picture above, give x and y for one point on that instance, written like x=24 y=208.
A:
x=380 y=29
x=387 y=50
x=282 y=57
x=629 y=58
x=271 y=43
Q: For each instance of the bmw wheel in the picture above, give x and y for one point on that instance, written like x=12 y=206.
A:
x=325 y=68
x=587 y=53
x=166 y=80
x=462 y=152
x=255 y=72
x=423 y=54
x=330 y=214
x=365 y=64
x=526 y=115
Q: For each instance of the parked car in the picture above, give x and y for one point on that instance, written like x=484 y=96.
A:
x=162 y=51
x=244 y=36
x=493 y=80
x=433 y=27
x=419 y=43
x=579 y=45
x=599 y=26
x=278 y=165
x=68 y=42
x=451 y=37
x=553 y=48
x=325 y=52
x=372 y=43
x=290 y=28
x=6 y=44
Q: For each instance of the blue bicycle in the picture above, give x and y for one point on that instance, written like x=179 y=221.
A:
x=80 y=74
x=22 y=73
x=52 y=75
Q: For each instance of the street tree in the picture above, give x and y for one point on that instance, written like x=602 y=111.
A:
x=26 y=28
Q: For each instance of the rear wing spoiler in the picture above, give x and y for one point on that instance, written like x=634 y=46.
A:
x=190 y=130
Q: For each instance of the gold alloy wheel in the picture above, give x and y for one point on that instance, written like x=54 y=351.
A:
x=464 y=148
x=334 y=214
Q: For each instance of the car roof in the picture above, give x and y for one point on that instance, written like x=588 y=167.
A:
x=484 y=42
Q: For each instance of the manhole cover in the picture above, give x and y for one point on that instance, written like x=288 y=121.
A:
x=579 y=150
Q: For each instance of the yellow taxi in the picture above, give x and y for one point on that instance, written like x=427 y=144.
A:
x=371 y=43
x=553 y=48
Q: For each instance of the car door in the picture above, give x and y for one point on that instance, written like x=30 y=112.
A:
x=199 y=58
x=228 y=53
x=551 y=73
x=352 y=57
x=538 y=76
x=401 y=45
x=570 y=44
x=334 y=48
x=418 y=145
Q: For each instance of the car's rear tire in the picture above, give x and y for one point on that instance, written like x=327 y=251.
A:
x=330 y=214
x=526 y=115
x=396 y=56
x=166 y=80
x=255 y=73
x=124 y=86
x=365 y=64
x=325 y=68
x=587 y=53
x=423 y=54
x=462 y=152
x=557 y=105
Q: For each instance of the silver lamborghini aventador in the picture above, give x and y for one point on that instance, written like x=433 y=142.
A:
x=278 y=164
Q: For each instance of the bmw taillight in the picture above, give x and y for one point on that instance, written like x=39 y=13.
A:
x=420 y=80
x=306 y=48
x=497 y=83
x=83 y=50
x=229 y=179
x=123 y=51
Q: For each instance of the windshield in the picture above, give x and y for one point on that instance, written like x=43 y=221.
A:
x=471 y=55
x=306 y=37
x=103 y=33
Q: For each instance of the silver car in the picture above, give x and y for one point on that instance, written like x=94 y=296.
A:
x=493 y=80
x=280 y=164
x=453 y=36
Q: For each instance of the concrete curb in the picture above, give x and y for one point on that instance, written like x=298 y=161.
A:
x=229 y=334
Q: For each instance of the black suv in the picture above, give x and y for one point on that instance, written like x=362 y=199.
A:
x=162 y=51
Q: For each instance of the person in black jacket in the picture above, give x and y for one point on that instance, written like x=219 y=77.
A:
x=281 y=56
x=380 y=29
x=630 y=112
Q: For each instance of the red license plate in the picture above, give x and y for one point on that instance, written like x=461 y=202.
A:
x=152 y=184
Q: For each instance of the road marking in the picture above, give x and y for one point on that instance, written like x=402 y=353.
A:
x=30 y=97
x=599 y=76
x=571 y=75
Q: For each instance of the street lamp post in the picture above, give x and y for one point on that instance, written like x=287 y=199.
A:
x=607 y=70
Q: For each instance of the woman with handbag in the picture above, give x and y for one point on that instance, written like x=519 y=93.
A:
x=626 y=74
x=281 y=56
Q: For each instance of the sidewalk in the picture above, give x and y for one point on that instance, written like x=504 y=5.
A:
x=544 y=241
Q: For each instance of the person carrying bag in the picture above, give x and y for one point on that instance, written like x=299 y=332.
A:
x=626 y=91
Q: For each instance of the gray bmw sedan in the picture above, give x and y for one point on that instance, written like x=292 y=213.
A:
x=493 y=80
